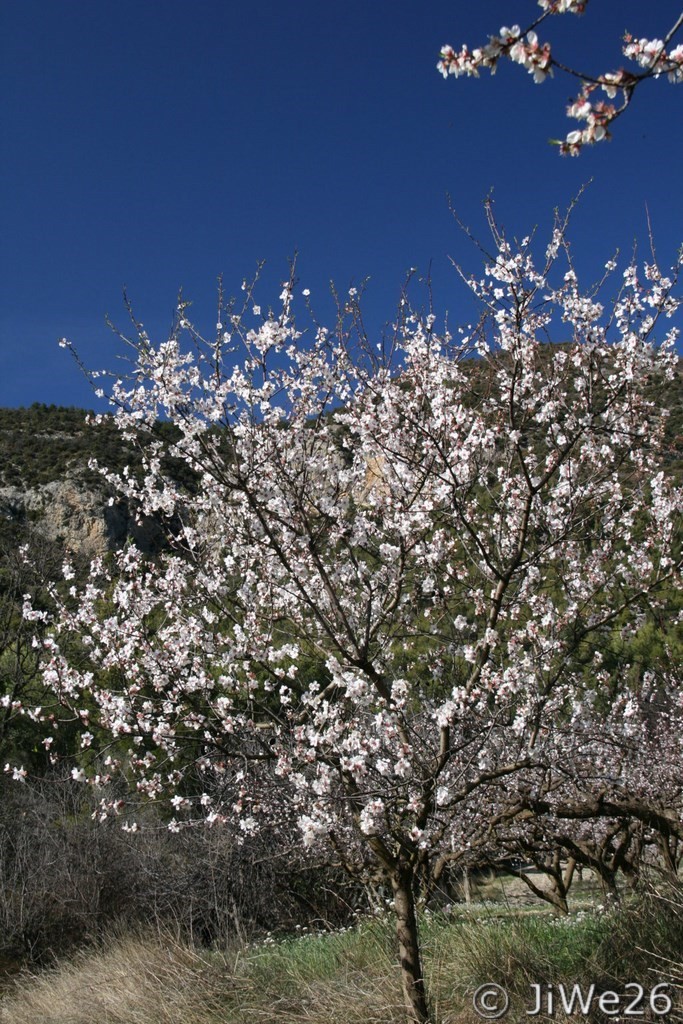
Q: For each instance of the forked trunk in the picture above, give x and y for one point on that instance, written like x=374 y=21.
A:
x=414 y=994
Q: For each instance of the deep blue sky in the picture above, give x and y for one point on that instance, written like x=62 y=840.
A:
x=159 y=144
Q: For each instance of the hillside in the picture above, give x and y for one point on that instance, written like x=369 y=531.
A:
x=45 y=476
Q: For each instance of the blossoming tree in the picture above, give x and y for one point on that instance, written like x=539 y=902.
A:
x=377 y=613
x=655 y=57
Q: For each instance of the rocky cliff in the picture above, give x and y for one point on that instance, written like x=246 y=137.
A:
x=47 y=481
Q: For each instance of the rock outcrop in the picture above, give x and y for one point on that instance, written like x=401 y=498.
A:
x=79 y=518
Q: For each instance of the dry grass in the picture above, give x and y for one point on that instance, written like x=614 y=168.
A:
x=344 y=977
x=132 y=980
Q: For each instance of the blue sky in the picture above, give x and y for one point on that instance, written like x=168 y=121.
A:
x=159 y=144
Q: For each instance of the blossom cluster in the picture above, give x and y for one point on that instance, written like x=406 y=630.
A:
x=563 y=6
x=652 y=55
x=520 y=49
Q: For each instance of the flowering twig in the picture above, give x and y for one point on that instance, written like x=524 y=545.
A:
x=523 y=47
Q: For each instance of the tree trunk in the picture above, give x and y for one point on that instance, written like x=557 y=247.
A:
x=408 y=945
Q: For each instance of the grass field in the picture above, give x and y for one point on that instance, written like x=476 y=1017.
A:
x=350 y=977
